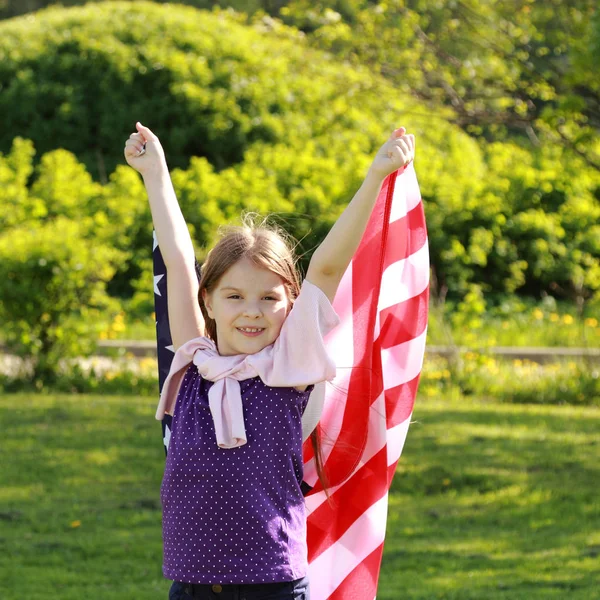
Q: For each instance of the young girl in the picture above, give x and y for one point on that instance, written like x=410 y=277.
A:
x=249 y=349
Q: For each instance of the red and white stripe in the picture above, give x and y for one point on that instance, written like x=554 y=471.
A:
x=379 y=345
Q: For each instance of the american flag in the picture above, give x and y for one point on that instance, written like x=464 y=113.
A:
x=378 y=347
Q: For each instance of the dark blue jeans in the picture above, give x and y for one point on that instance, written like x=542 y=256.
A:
x=289 y=590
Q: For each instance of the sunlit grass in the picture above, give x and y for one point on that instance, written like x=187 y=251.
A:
x=490 y=501
x=495 y=501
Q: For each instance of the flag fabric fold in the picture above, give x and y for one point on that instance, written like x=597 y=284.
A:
x=378 y=347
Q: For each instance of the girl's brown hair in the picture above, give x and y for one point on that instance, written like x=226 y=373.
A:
x=266 y=246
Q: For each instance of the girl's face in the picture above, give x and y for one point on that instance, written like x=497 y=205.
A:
x=249 y=305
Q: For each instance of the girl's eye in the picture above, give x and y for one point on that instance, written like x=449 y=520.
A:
x=234 y=296
x=271 y=298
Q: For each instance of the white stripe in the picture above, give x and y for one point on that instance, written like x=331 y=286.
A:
x=396 y=372
x=396 y=436
x=405 y=278
x=310 y=473
x=406 y=195
x=333 y=411
x=337 y=339
x=331 y=567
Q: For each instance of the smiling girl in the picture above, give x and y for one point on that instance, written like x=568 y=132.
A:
x=249 y=350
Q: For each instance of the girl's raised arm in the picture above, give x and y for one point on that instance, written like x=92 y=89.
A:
x=331 y=259
x=145 y=154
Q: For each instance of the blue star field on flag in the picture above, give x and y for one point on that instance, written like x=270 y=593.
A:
x=164 y=344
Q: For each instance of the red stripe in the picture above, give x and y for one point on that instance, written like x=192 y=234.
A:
x=407 y=235
x=404 y=321
x=377 y=371
x=350 y=443
x=332 y=519
x=367 y=267
x=361 y=582
x=399 y=402
x=307 y=451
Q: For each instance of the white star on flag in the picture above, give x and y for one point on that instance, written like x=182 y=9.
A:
x=157 y=278
x=167 y=437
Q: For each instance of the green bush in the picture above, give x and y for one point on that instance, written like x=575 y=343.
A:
x=50 y=273
x=79 y=78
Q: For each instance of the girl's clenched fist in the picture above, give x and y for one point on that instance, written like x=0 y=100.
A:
x=143 y=151
x=397 y=152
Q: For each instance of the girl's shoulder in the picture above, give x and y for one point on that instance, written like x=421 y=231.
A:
x=312 y=308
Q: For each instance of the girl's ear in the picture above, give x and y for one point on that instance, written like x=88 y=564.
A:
x=207 y=303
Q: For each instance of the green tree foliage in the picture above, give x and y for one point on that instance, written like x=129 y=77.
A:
x=254 y=118
x=521 y=67
x=505 y=68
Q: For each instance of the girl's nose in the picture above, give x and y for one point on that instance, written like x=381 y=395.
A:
x=252 y=310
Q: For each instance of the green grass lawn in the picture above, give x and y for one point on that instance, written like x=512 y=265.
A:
x=490 y=502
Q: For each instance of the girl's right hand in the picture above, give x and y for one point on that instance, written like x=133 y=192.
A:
x=151 y=160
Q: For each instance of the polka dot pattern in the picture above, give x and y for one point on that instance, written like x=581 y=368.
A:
x=235 y=515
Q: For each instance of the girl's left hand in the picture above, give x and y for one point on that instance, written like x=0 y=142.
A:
x=397 y=152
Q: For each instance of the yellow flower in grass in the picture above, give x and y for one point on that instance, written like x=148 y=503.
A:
x=538 y=315
x=567 y=319
x=591 y=322
x=148 y=363
x=75 y=523
x=118 y=326
x=493 y=369
x=554 y=317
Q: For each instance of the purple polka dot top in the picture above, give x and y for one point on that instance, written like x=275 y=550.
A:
x=235 y=515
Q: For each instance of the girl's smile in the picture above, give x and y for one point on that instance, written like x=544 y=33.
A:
x=251 y=331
